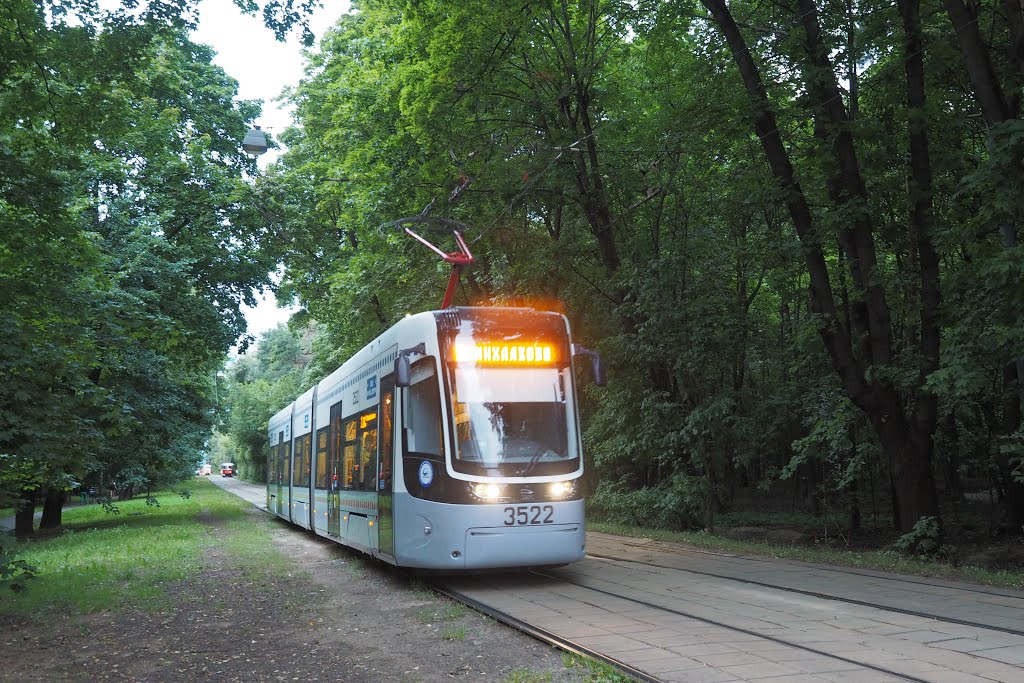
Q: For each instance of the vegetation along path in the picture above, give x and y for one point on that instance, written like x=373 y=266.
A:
x=209 y=588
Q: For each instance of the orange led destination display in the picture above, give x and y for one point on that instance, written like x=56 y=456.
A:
x=504 y=354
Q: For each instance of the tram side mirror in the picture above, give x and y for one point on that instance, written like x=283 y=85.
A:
x=595 y=363
x=402 y=371
x=402 y=364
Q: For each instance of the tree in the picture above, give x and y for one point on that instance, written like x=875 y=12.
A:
x=125 y=249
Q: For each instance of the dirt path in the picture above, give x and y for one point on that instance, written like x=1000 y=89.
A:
x=337 y=617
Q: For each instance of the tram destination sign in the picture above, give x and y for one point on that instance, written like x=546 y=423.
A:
x=504 y=354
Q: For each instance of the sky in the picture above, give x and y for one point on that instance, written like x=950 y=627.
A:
x=263 y=67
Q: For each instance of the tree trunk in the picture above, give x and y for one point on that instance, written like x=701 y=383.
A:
x=910 y=467
x=909 y=452
x=987 y=92
x=1011 y=423
x=925 y=414
x=24 y=518
x=592 y=194
x=53 y=505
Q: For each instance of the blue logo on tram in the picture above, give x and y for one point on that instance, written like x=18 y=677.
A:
x=426 y=473
x=371 y=387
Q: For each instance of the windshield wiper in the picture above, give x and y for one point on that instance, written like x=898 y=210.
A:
x=534 y=459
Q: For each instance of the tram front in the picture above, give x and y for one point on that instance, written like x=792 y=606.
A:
x=507 y=493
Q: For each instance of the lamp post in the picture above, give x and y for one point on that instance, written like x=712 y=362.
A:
x=255 y=141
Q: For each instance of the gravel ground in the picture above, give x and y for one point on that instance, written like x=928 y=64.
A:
x=340 y=616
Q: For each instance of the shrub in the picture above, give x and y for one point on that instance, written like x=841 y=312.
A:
x=924 y=539
x=674 y=505
x=13 y=573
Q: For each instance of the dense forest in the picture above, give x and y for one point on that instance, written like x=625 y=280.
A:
x=790 y=228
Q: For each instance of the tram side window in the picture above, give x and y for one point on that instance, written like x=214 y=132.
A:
x=300 y=473
x=422 y=409
x=367 y=477
x=350 y=455
x=321 y=458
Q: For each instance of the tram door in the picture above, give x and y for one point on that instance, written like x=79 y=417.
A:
x=282 y=458
x=385 y=465
x=334 y=482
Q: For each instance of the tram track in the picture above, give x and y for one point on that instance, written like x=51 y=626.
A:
x=569 y=645
x=736 y=629
x=878 y=576
x=541 y=634
x=828 y=596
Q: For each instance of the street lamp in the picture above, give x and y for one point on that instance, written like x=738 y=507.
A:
x=255 y=141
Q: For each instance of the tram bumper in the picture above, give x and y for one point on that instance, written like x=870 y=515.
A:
x=524 y=546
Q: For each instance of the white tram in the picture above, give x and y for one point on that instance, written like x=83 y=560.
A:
x=451 y=442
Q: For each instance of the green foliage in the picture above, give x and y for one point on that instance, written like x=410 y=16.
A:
x=108 y=505
x=676 y=505
x=924 y=539
x=13 y=572
x=258 y=386
x=616 y=175
x=126 y=249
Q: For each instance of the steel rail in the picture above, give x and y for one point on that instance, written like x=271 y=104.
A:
x=1003 y=593
x=543 y=635
x=822 y=596
x=749 y=632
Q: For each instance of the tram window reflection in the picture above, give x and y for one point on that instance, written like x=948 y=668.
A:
x=321 y=458
x=423 y=409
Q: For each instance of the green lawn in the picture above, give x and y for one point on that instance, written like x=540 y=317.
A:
x=98 y=559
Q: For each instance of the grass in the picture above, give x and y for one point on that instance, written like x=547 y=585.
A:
x=420 y=589
x=884 y=560
x=101 y=561
x=454 y=633
x=596 y=672
x=450 y=612
x=526 y=676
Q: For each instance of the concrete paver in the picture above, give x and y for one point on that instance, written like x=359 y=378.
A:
x=677 y=625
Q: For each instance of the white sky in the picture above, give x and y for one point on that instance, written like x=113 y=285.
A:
x=263 y=67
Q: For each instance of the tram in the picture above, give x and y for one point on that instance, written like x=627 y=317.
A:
x=451 y=442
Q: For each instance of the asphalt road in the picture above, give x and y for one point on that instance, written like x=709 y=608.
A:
x=252 y=493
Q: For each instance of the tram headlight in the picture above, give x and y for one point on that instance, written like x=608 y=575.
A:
x=487 y=491
x=562 y=489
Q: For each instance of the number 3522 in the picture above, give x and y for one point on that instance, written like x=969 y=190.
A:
x=516 y=515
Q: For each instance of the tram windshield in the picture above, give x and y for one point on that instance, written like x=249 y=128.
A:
x=513 y=422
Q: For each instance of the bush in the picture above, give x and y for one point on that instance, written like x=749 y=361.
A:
x=13 y=573
x=676 y=505
x=924 y=539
